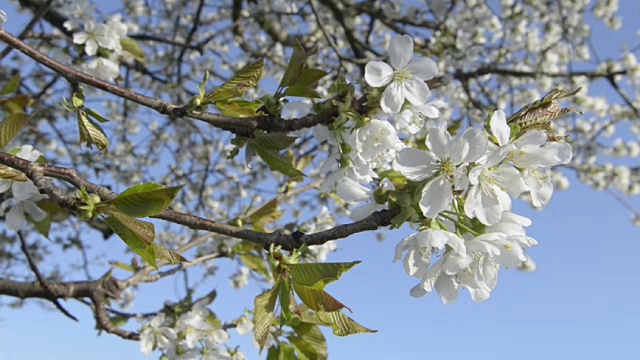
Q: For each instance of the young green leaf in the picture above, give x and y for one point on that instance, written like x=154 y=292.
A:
x=91 y=133
x=138 y=235
x=15 y=104
x=295 y=66
x=274 y=141
x=341 y=324
x=309 y=341
x=302 y=91
x=309 y=77
x=255 y=262
x=146 y=199
x=318 y=300
x=277 y=162
x=11 y=86
x=132 y=47
x=240 y=108
x=96 y=115
x=263 y=315
x=319 y=275
x=170 y=256
x=288 y=304
x=246 y=78
x=10 y=127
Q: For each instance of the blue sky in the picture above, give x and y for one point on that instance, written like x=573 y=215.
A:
x=581 y=303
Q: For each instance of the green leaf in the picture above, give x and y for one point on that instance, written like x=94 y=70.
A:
x=290 y=310
x=302 y=91
x=91 y=133
x=263 y=315
x=132 y=47
x=236 y=86
x=295 y=66
x=265 y=214
x=318 y=300
x=240 y=108
x=170 y=256
x=123 y=266
x=43 y=225
x=118 y=320
x=138 y=235
x=309 y=77
x=286 y=352
x=309 y=341
x=146 y=199
x=12 y=85
x=319 y=275
x=277 y=162
x=274 y=141
x=341 y=324
x=15 y=104
x=255 y=262
x=10 y=127
x=96 y=115
x=543 y=110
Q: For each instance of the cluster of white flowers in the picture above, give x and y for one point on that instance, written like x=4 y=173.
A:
x=189 y=337
x=464 y=184
x=96 y=36
x=24 y=195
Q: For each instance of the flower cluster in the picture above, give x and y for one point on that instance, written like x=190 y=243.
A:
x=188 y=337
x=24 y=195
x=102 y=42
x=460 y=188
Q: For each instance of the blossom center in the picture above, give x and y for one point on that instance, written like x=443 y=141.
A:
x=402 y=75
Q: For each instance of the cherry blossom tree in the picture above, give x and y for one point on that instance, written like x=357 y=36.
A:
x=255 y=134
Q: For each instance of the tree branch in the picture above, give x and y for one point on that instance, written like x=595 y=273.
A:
x=240 y=126
x=37 y=173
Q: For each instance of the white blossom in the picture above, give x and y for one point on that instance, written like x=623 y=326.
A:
x=404 y=79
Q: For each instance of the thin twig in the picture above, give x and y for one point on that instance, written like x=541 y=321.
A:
x=41 y=280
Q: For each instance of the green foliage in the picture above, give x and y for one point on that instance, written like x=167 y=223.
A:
x=538 y=114
x=263 y=314
x=137 y=234
x=235 y=87
x=298 y=80
x=132 y=47
x=90 y=131
x=11 y=86
x=341 y=324
x=169 y=256
x=309 y=341
x=10 y=127
x=268 y=147
x=307 y=281
x=143 y=200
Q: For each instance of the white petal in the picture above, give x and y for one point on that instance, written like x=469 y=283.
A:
x=438 y=141
x=33 y=210
x=447 y=288
x=423 y=68
x=436 y=196
x=400 y=51
x=392 y=98
x=499 y=128
x=24 y=190
x=417 y=91
x=350 y=191
x=415 y=164
x=378 y=73
x=478 y=144
x=15 y=218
